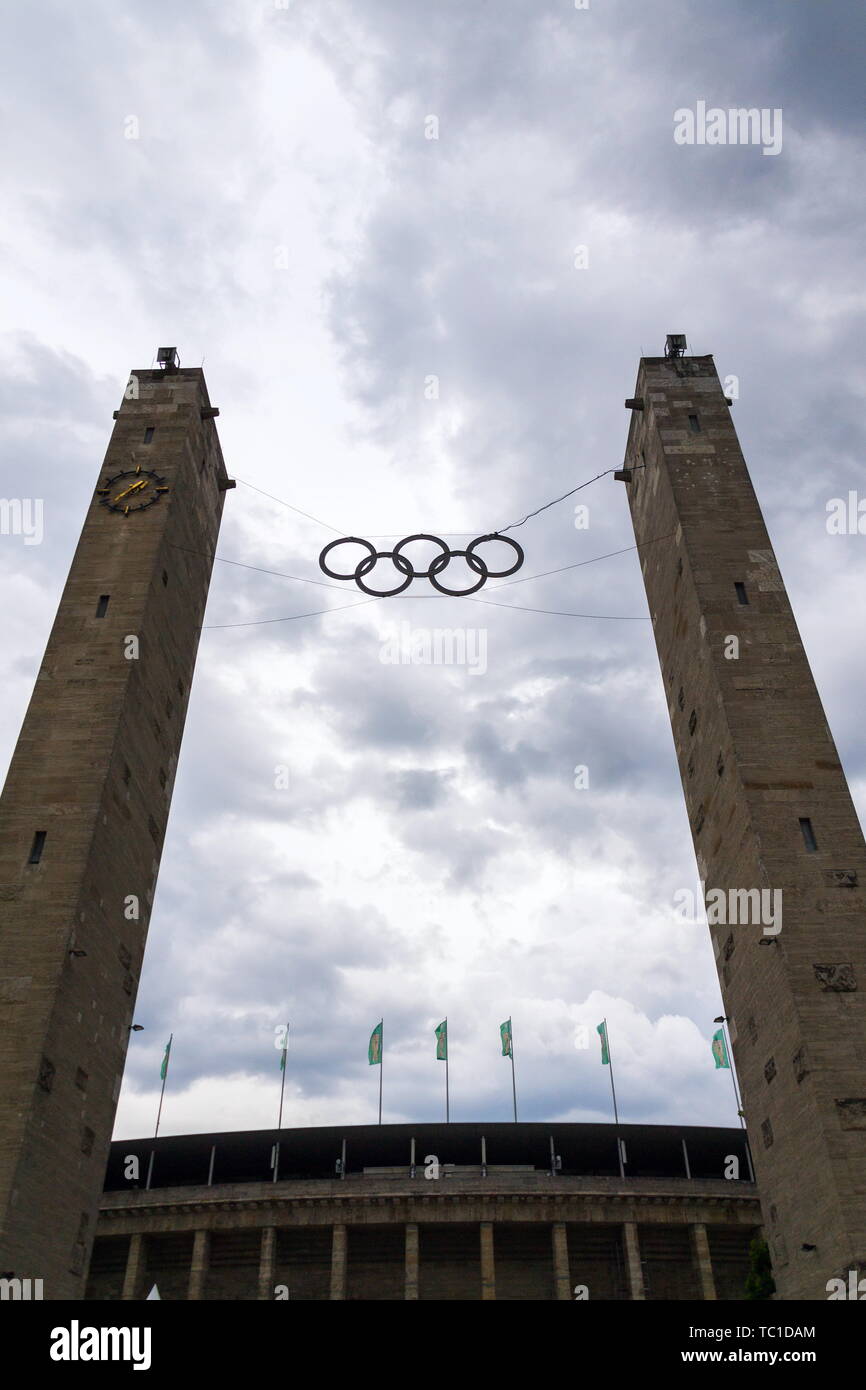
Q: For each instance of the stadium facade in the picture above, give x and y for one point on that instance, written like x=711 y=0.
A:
x=526 y=1212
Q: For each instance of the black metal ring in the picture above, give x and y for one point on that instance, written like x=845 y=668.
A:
x=364 y=566
x=474 y=562
x=346 y=540
x=506 y=540
x=423 y=536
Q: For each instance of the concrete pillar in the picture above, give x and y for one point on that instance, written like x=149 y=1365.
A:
x=561 y=1277
x=411 y=1290
x=338 y=1263
x=135 y=1262
x=701 y=1258
x=198 y=1265
x=267 y=1258
x=488 y=1268
x=632 y=1259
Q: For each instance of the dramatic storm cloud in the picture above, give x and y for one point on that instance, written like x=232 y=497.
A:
x=420 y=250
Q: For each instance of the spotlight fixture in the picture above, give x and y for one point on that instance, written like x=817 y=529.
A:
x=76 y=951
x=135 y=1028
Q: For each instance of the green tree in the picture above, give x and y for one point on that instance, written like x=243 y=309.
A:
x=760 y=1282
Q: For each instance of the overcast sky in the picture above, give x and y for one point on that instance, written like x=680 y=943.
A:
x=344 y=208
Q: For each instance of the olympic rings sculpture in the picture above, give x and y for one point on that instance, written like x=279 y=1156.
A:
x=408 y=571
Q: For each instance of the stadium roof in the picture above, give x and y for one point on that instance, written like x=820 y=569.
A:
x=584 y=1149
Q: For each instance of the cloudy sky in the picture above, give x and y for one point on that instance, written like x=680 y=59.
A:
x=367 y=219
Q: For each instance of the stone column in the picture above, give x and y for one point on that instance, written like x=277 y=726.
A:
x=135 y=1262
x=198 y=1265
x=488 y=1268
x=632 y=1257
x=701 y=1258
x=338 y=1263
x=561 y=1277
x=267 y=1258
x=411 y=1290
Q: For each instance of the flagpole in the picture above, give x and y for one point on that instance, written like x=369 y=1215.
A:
x=283 y=1082
x=513 y=1082
x=610 y=1065
x=446 y=1070
x=283 y=1060
x=164 y=1079
x=730 y=1053
x=381 y=1063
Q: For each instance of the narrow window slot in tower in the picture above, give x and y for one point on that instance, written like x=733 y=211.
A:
x=102 y=605
x=37 y=847
x=148 y=434
x=808 y=834
x=742 y=596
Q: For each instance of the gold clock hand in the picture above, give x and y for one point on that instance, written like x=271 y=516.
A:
x=132 y=487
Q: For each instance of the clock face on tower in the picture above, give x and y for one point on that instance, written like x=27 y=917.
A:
x=132 y=490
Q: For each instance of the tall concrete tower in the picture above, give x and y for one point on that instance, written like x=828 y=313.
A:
x=770 y=810
x=84 y=811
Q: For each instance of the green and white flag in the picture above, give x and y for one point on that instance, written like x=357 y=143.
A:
x=442 y=1042
x=164 y=1068
x=605 y=1054
x=374 y=1051
x=505 y=1034
x=720 y=1050
x=285 y=1050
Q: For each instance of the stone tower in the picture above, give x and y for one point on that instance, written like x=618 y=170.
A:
x=770 y=810
x=84 y=810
